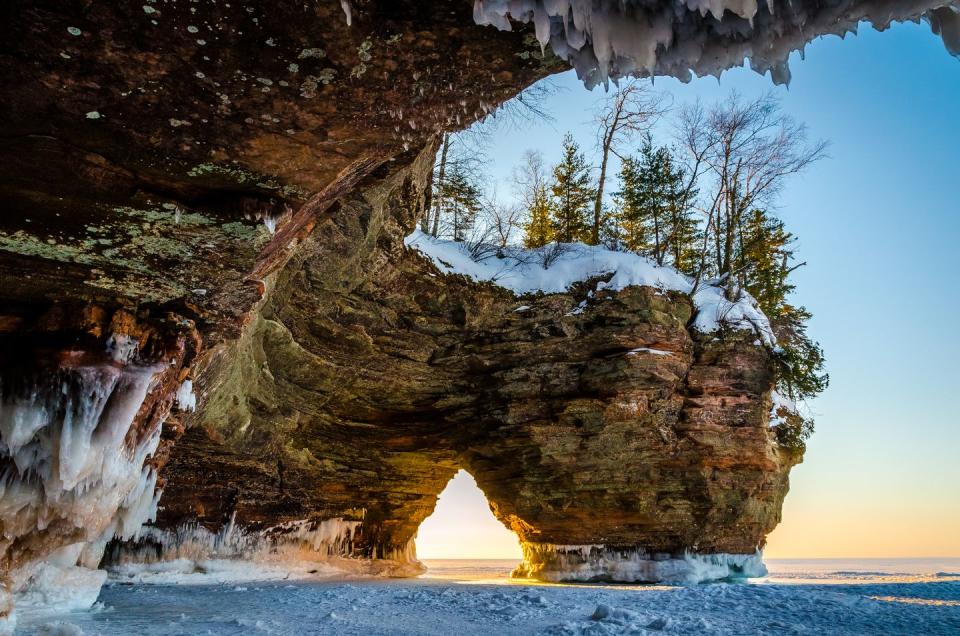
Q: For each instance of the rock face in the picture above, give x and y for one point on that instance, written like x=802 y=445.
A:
x=212 y=197
x=369 y=378
x=149 y=152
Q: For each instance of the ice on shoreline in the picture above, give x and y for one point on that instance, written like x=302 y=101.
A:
x=585 y=563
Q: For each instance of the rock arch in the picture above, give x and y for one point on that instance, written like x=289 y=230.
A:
x=369 y=378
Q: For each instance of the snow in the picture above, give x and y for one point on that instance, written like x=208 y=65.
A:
x=781 y=408
x=569 y=563
x=808 y=597
x=523 y=272
x=608 y=39
x=656 y=352
x=186 y=399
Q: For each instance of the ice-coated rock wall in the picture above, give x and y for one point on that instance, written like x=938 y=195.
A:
x=568 y=563
x=74 y=466
x=607 y=39
x=291 y=549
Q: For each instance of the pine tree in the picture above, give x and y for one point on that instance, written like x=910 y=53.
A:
x=763 y=261
x=652 y=210
x=682 y=236
x=763 y=268
x=460 y=203
x=630 y=211
x=573 y=194
x=653 y=196
x=669 y=218
x=539 y=230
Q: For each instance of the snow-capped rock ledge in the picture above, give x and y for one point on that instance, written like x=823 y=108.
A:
x=571 y=563
x=554 y=269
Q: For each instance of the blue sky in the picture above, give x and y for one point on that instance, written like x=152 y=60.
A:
x=878 y=223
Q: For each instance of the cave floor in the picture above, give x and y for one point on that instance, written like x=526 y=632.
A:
x=460 y=598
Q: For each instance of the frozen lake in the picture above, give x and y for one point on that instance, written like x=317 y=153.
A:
x=461 y=598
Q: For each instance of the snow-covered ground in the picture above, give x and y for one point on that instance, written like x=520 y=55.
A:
x=464 y=598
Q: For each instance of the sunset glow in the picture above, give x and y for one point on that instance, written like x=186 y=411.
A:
x=463 y=527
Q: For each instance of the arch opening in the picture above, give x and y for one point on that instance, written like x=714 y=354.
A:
x=463 y=526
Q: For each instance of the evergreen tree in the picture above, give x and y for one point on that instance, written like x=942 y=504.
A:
x=459 y=203
x=682 y=237
x=763 y=268
x=653 y=195
x=573 y=194
x=539 y=230
x=663 y=196
x=631 y=211
x=763 y=261
x=652 y=209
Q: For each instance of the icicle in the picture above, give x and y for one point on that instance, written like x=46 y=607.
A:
x=606 y=39
x=287 y=542
x=122 y=347
x=566 y=563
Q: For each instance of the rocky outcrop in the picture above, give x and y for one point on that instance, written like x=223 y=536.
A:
x=589 y=418
x=214 y=196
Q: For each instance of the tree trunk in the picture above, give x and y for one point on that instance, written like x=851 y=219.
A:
x=438 y=200
x=598 y=203
x=657 y=255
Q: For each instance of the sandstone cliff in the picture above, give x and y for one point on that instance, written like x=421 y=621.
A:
x=589 y=418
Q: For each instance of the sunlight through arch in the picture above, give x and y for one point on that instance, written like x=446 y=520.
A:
x=462 y=526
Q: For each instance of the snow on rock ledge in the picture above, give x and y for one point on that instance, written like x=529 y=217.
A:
x=572 y=563
x=554 y=269
x=605 y=39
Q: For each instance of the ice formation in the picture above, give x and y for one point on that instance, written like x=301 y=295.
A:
x=566 y=563
x=604 y=39
x=554 y=269
x=297 y=549
x=73 y=465
x=122 y=348
x=317 y=539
